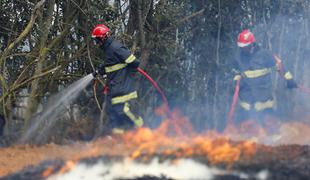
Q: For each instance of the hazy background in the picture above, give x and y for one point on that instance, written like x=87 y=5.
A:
x=187 y=46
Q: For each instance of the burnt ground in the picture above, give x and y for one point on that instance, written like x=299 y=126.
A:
x=282 y=162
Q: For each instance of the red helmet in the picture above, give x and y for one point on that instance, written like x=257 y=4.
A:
x=246 y=38
x=100 y=31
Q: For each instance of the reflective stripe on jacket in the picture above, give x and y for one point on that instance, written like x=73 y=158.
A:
x=256 y=82
x=117 y=65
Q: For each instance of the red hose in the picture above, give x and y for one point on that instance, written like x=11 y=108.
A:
x=141 y=71
x=281 y=72
x=234 y=103
x=304 y=90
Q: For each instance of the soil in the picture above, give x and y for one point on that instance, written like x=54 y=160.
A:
x=285 y=162
x=279 y=159
x=18 y=157
x=281 y=162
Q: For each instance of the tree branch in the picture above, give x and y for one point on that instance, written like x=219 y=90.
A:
x=23 y=34
x=185 y=19
x=27 y=81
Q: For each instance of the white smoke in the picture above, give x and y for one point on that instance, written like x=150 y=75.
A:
x=126 y=169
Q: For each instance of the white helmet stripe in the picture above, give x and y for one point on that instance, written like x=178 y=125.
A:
x=240 y=44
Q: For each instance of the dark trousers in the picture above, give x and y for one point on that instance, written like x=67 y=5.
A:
x=118 y=115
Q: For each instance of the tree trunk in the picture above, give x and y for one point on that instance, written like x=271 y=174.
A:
x=36 y=89
x=216 y=89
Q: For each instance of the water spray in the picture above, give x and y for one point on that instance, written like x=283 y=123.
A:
x=54 y=109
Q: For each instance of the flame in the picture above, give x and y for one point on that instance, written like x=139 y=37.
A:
x=175 y=138
x=172 y=140
x=68 y=166
x=48 y=171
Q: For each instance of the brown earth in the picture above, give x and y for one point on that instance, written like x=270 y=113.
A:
x=278 y=159
x=291 y=157
x=15 y=158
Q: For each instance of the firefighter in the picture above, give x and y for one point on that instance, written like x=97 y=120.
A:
x=119 y=65
x=254 y=67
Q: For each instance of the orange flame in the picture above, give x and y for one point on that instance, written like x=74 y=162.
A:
x=68 y=166
x=48 y=171
x=175 y=138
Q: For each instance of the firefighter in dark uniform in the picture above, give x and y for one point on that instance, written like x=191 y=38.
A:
x=254 y=69
x=119 y=66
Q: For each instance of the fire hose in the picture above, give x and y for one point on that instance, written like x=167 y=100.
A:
x=281 y=72
x=151 y=80
x=304 y=89
x=175 y=125
x=233 y=104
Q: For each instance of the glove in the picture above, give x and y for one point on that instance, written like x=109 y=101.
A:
x=134 y=65
x=237 y=77
x=291 y=84
x=100 y=71
x=95 y=73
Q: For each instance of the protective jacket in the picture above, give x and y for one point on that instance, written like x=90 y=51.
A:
x=119 y=65
x=256 y=83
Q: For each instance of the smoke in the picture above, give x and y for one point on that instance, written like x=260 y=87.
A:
x=281 y=27
x=287 y=35
x=128 y=169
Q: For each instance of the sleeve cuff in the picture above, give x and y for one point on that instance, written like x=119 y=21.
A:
x=237 y=78
x=130 y=59
x=288 y=76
